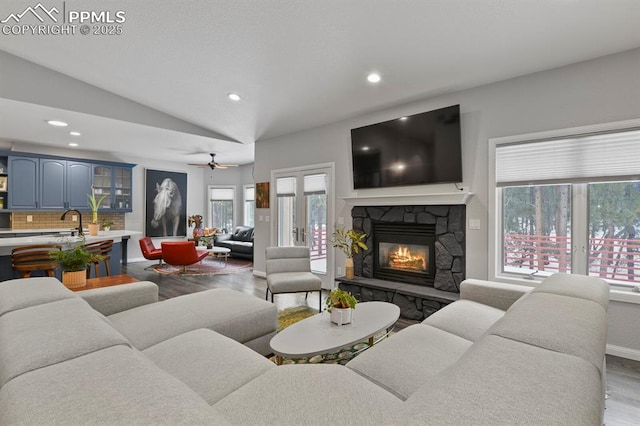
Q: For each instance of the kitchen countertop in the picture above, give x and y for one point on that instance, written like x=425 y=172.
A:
x=62 y=237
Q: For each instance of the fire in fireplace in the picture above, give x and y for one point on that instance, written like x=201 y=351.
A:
x=404 y=252
x=410 y=257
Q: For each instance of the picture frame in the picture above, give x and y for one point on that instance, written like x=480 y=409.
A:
x=165 y=203
x=4 y=184
x=262 y=195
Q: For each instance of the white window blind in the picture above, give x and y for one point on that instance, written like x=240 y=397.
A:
x=286 y=187
x=315 y=184
x=576 y=159
x=222 y=193
x=249 y=193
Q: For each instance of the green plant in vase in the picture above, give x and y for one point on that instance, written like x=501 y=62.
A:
x=340 y=304
x=94 y=205
x=73 y=263
x=350 y=242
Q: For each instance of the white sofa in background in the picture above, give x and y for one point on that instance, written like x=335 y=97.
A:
x=500 y=355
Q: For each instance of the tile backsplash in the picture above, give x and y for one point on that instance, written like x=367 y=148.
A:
x=51 y=220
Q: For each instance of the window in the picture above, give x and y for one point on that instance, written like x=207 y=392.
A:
x=570 y=204
x=249 y=204
x=221 y=202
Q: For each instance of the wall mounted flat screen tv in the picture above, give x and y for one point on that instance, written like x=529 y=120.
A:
x=418 y=149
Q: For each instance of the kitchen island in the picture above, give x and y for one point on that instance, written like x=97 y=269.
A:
x=9 y=239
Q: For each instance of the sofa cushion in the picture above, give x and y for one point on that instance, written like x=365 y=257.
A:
x=43 y=335
x=209 y=363
x=408 y=359
x=288 y=282
x=308 y=394
x=114 y=386
x=503 y=382
x=564 y=324
x=465 y=318
x=118 y=298
x=237 y=246
x=239 y=316
x=491 y=293
x=25 y=292
x=580 y=286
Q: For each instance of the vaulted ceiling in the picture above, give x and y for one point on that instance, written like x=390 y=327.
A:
x=160 y=88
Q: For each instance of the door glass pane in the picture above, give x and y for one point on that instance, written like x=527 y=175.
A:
x=537 y=229
x=315 y=196
x=286 y=220
x=316 y=207
x=614 y=230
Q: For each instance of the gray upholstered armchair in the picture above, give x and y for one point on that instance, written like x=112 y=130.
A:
x=289 y=271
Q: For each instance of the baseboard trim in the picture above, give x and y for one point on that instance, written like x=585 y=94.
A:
x=259 y=274
x=623 y=352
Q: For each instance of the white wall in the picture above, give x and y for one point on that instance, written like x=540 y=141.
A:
x=597 y=91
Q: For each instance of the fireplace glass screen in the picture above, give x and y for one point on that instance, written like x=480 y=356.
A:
x=404 y=257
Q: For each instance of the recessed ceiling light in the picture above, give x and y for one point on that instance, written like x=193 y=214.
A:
x=365 y=148
x=403 y=118
x=234 y=97
x=374 y=77
x=57 y=123
x=74 y=133
x=399 y=166
x=73 y=144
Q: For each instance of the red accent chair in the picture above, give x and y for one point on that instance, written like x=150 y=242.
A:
x=149 y=251
x=182 y=253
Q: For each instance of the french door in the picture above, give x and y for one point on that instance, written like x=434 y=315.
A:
x=304 y=212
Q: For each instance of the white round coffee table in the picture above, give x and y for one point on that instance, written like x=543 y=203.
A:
x=318 y=335
x=219 y=252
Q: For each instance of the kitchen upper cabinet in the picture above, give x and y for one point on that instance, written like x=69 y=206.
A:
x=116 y=183
x=24 y=175
x=58 y=184
x=79 y=178
x=53 y=179
x=64 y=184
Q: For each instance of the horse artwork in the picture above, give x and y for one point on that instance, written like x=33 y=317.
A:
x=166 y=211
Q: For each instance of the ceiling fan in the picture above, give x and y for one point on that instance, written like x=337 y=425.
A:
x=213 y=164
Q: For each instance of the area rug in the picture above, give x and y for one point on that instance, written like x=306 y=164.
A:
x=208 y=266
x=289 y=316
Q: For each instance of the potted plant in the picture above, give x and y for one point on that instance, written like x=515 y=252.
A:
x=106 y=225
x=95 y=205
x=74 y=263
x=350 y=242
x=340 y=304
x=207 y=240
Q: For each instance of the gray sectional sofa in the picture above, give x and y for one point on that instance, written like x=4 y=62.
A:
x=500 y=355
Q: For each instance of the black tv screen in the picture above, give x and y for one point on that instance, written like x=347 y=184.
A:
x=418 y=149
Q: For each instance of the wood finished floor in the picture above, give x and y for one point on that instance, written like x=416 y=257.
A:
x=623 y=376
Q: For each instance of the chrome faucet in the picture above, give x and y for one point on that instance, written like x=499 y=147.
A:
x=80 y=233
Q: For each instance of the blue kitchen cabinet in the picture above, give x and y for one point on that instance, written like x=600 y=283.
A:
x=24 y=173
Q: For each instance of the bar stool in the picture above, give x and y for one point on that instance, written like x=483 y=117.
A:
x=102 y=248
x=26 y=259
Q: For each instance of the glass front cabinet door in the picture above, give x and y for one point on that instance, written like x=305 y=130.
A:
x=115 y=183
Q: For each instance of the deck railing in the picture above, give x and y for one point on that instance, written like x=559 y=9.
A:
x=318 y=244
x=611 y=258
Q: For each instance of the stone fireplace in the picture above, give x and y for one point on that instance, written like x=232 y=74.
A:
x=415 y=257
x=409 y=233
x=404 y=252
